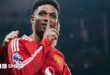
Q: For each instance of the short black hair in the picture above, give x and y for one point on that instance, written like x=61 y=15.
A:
x=38 y=3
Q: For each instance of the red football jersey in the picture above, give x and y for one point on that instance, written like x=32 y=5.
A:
x=27 y=57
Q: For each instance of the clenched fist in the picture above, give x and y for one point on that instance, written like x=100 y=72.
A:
x=9 y=37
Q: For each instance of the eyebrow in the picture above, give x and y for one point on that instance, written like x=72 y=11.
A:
x=46 y=12
x=53 y=13
x=42 y=11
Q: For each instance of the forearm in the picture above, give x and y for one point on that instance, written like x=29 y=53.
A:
x=31 y=62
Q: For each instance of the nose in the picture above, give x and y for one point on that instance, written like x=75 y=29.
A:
x=47 y=18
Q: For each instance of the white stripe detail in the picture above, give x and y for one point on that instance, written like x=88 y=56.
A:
x=20 y=64
x=17 y=45
x=47 y=71
x=12 y=45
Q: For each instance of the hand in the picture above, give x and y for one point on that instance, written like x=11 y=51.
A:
x=52 y=34
x=9 y=37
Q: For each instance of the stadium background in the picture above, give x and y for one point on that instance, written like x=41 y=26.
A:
x=85 y=27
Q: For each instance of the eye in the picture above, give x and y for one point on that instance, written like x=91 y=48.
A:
x=42 y=13
x=53 y=15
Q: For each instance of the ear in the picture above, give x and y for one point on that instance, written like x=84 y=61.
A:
x=31 y=19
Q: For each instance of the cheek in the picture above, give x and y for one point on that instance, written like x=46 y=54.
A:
x=54 y=24
x=37 y=24
x=37 y=20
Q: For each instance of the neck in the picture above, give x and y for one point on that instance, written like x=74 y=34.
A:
x=35 y=38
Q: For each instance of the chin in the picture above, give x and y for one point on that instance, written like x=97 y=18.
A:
x=40 y=34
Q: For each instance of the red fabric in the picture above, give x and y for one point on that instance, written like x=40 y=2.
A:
x=41 y=58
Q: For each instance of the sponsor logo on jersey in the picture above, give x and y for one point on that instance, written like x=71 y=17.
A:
x=49 y=71
x=57 y=59
x=16 y=57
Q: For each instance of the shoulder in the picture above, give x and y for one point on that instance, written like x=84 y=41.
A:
x=19 y=42
x=57 y=52
x=57 y=56
x=22 y=39
x=26 y=38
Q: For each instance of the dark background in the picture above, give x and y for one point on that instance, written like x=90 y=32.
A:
x=84 y=38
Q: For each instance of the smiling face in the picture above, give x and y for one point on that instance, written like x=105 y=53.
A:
x=42 y=16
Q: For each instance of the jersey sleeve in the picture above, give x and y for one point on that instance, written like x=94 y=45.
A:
x=23 y=62
x=66 y=70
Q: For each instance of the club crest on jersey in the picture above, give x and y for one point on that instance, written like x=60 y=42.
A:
x=16 y=57
x=57 y=59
